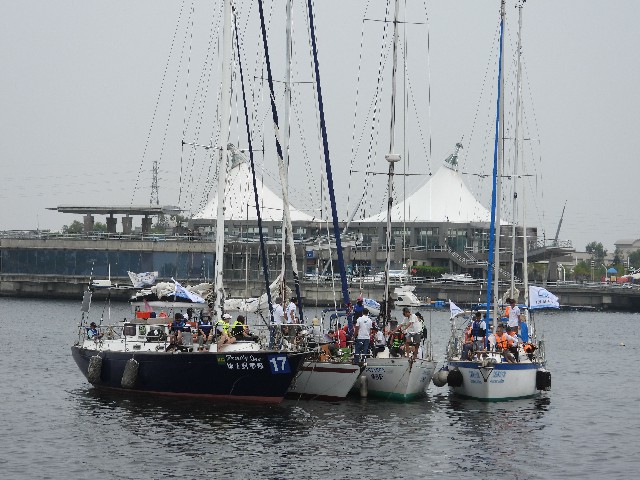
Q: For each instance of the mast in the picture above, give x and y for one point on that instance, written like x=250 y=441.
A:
x=225 y=111
x=392 y=158
x=519 y=157
x=327 y=163
x=494 y=231
x=286 y=132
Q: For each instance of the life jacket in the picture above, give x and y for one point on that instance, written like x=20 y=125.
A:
x=476 y=331
x=223 y=325
x=507 y=311
x=528 y=348
x=502 y=342
x=237 y=328
x=397 y=339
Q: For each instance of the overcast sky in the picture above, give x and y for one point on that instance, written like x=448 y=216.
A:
x=88 y=99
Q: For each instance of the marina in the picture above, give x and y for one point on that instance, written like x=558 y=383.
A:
x=56 y=425
x=319 y=240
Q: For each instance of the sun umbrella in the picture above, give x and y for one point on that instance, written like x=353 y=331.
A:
x=612 y=270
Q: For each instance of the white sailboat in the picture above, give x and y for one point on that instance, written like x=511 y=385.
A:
x=405 y=377
x=489 y=374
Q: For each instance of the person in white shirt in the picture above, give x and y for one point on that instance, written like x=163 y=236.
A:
x=292 y=311
x=363 y=335
x=514 y=317
x=278 y=312
x=412 y=329
x=379 y=342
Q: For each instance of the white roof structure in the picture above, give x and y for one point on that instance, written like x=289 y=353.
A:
x=444 y=198
x=239 y=200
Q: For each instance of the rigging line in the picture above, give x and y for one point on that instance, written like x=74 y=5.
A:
x=155 y=109
x=186 y=100
x=355 y=113
x=163 y=143
x=375 y=121
x=265 y=267
x=430 y=159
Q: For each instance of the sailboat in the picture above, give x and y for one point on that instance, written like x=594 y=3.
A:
x=134 y=355
x=490 y=374
x=404 y=377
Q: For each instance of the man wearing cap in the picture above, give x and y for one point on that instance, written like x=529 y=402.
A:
x=93 y=333
x=222 y=330
x=478 y=332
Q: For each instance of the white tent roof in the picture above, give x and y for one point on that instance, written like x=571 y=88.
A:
x=239 y=200
x=444 y=198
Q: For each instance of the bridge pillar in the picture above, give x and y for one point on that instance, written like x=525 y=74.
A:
x=88 y=223
x=111 y=224
x=127 y=225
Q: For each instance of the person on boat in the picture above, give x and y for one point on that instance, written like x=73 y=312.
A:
x=467 y=342
x=177 y=327
x=93 y=333
x=412 y=329
x=205 y=332
x=292 y=311
x=513 y=317
x=278 y=312
x=504 y=343
x=221 y=331
x=240 y=330
x=396 y=343
x=358 y=309
x=478 y=332
x=341 y=337
x=362 y=334
x=379 y=342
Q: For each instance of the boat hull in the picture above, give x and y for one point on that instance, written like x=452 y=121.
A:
x=249 y=376
x=398 y=378
x=505 y=381
x=324 y=380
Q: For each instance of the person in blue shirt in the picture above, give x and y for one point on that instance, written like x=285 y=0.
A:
x=177 y=328
x=204 y=332
x=93 y=333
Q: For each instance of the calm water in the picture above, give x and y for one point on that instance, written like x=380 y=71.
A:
x=55 y=426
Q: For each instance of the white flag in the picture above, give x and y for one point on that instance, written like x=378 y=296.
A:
x=141 y=279
x=542 y=298
x=455 y=310
x=180 y=291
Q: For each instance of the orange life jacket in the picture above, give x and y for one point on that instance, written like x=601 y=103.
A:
x=502 y=342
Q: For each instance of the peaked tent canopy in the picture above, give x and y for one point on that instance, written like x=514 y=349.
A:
x=444 y=198
x=239 y=203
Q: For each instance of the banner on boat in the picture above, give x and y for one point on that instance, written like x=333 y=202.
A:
x=542 y=298
x=141 y=279
x=180 y=291
x=454 y=309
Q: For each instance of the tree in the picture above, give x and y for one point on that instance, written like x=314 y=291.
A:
x=634 y=259
x=617 y=258
x=582 y=271
x=99 y=227
x=74 y=227
x=597 y=251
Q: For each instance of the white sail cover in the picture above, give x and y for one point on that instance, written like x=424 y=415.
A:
x=239 y=199
x=444 y=198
